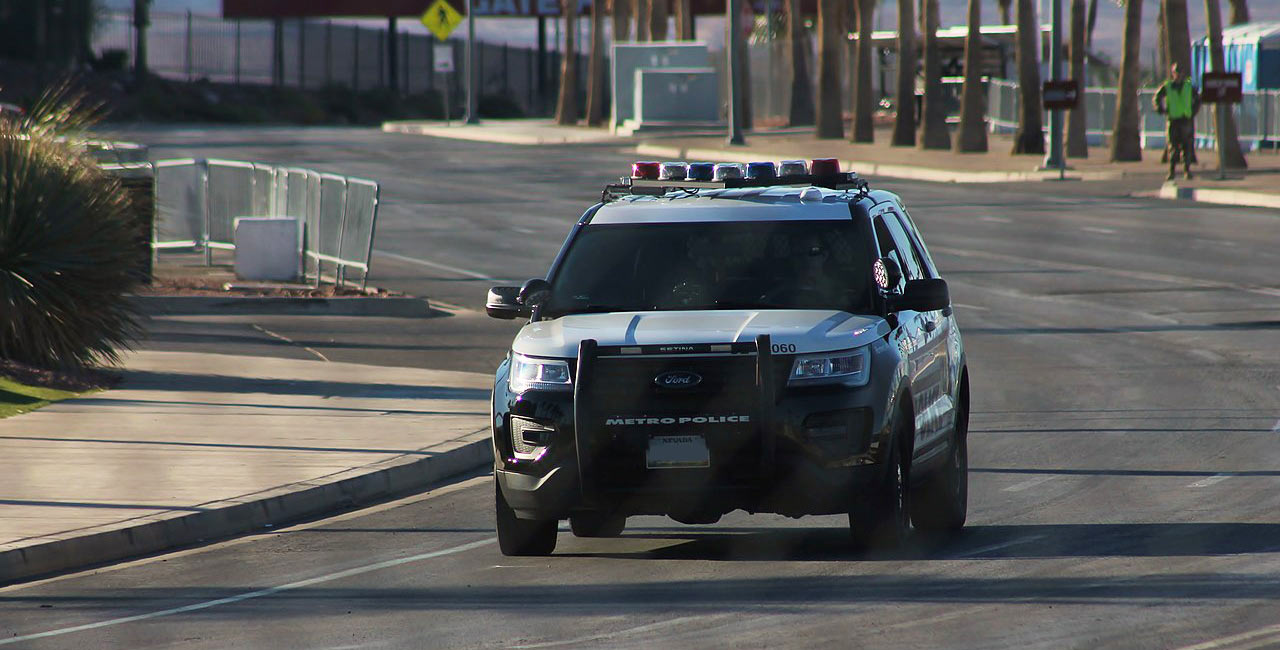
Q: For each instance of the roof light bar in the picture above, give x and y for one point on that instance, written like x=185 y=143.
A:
x=793 y=168
x=824 y=166
x=700 y=171
x=673 y=171
x=761 y=170
x=728 y=171
x=646 y=170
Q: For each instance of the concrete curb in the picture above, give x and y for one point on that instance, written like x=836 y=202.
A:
x=479 y=134
x=341 y=306
x=876 y=169
x=1220 y=196
x=244 y=514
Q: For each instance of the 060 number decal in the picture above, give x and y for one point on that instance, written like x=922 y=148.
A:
x=784 y=348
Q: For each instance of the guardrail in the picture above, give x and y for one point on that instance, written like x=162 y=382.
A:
x=198 y=200
x=1257 y=116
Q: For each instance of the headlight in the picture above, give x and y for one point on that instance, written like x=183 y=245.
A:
x=546 y=374
x=850 y=367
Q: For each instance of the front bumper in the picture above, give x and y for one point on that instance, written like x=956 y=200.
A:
x=805 y=450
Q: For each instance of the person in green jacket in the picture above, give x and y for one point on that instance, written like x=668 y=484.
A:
x=1178 y=100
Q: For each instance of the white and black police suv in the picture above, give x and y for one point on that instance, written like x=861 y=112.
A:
x=721 y=337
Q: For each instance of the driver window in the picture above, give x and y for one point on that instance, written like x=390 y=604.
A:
x=889 y=249
x=911 y=267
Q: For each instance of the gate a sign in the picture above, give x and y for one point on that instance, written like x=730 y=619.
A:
x=1221 y=88
x=1060 y=95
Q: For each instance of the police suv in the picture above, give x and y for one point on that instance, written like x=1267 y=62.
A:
x=721 y=337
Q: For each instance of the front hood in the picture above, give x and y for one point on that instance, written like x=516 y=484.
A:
x=809 y=330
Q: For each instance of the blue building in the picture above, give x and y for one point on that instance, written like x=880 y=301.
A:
x=1252 y=49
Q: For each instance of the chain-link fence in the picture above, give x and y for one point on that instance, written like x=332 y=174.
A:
x=198 y=201
x=321 y=53
x=1257 y=116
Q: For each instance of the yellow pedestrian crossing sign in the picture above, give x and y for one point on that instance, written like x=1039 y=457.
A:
x=441 y=18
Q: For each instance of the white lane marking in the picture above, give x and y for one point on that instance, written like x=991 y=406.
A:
x=937 y=619
x=1216 y=478
x=1207 y=355
x=1277 y=426
x=1030 y=483
x=1228 y=640
x=631 y=630
x=975 y=307
x=442 y=267
x=523 y=230
x=991 y=219
x=1100 y=231
x=287 y=340
x=269 y=591
x=997 y=547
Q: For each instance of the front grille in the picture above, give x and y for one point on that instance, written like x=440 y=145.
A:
x=624 y=408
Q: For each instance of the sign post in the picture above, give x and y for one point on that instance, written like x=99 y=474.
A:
x=1221 y=88
x=442 y=63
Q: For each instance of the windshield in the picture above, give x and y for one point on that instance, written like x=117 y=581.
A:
x=714 y=265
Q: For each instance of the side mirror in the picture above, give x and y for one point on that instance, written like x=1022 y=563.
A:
x=887 y=273
x=534 y=293
x=922 y=295
x=504 y=303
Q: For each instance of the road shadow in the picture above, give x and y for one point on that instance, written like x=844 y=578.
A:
x=176 y=381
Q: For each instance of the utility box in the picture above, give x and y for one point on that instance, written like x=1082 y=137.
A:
x=628 y=57
x=268 y=248
x=676 y=97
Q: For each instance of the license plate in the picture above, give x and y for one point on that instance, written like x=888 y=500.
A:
x=670 y=452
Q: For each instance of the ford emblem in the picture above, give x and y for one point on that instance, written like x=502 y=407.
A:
x=677 y=379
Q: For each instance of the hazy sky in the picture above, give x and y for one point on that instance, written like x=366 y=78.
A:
x=1107 y=34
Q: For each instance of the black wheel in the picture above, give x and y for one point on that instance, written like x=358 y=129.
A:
x=880 y=519
x=941 y=503
x=596 y=524
x=522 y=536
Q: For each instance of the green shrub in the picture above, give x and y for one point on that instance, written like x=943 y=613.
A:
x=68 y=245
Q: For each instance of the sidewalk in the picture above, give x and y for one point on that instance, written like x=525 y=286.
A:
x=199 y=446
x=1258 y=186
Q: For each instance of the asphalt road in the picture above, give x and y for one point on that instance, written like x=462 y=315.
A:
x=1125 y=447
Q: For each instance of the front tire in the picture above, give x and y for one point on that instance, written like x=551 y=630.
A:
x=941 y=503
x=880 y=520
x=522 y=536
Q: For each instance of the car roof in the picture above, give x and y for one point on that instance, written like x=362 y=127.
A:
x=776 y=203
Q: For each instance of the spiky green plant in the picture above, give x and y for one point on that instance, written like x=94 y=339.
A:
x=68 y=243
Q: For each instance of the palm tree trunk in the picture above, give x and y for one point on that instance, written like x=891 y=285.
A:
x=801 y=113
x=1078 y=117
x=684 y=20
x=1239 y=11
x=595 y=67
x=973 y=105
x=1126 y=142
x=1179 y=34
x=658 y=14
x=830 y=121
x=567 y=102
x=1030 y=136
x=1093 y=22
x=933 y=118
x=622 y=14
x=1228 y=140
x=1162 y=41
x=904 y=125
x=642 y=20
x=864 y=102
x=1006 y=17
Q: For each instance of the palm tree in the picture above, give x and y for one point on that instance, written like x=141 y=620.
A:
x=973 y=128
x=658 y=13
x=684 y=20
x=1093 y=21
x=642 y=20
x=595 y=67
x=829 y=121
x=933 y=118
x=1078 y=117
x=622 y=11
x=801 y=113
x=1005 y=15
x=1125 y=137
x=904 y=125
x=1228 y=141
x=567 y=102
x=1030 y=135
x=864 y=102
x=1178 y=34
x=1239 y=11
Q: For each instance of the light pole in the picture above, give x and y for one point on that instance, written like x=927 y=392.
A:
x=732 y=43
x=1054 y=159
x=473 y=93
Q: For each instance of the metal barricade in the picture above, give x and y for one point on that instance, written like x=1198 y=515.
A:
x=230 y=195
x=357 y=233
x=181 y=204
